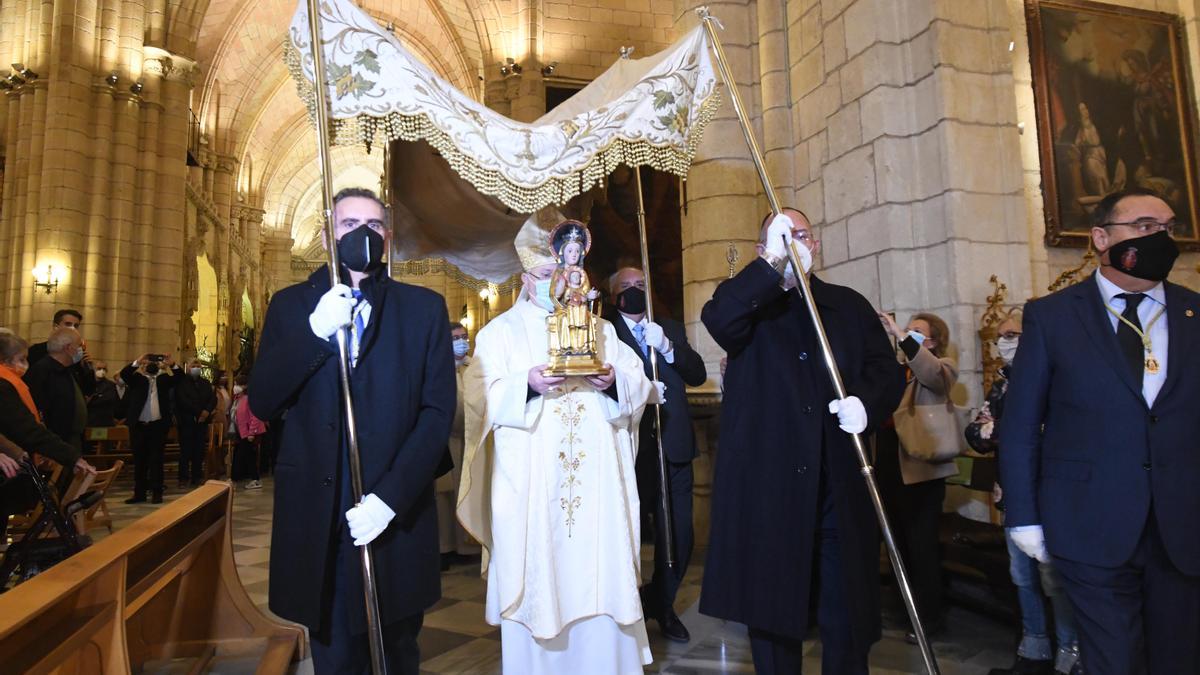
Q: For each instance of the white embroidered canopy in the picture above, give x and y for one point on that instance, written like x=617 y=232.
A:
x=648 y=111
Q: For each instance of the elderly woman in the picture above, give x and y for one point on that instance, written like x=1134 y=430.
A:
x=913 y=489
x=21 y=424
x=1034 y=581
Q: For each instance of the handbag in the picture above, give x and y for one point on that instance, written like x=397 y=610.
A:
x=933 y=432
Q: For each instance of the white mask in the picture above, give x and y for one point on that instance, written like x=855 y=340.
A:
x=101 y=373
x=1007 y=346
x=237 y=389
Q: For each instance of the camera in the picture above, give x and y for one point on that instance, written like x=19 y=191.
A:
x=156 y=357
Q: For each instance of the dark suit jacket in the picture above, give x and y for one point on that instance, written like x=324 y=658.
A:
x=1081 y=453
x=404 y=396
x=85 y=376
x=138 y=388
x=21 y=427
x=779 y=446
x=59 y=399
x=193 y=395
x=679 y=440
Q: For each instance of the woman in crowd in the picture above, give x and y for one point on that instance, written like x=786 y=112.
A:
x=21 y=424
x=249 y=431
x=1035 y=653
x=913 y=489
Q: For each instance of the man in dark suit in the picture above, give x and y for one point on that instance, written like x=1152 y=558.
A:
x=149 y=381
x=55 y=392
x=793 y=527
x=1101 y=445
x=403 y=386
x=82 y=370
x=194 y=403
x=678 y=366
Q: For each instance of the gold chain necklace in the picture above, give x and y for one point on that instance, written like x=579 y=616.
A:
x=1151 y=364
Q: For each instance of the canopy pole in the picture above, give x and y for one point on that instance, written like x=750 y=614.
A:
x=865 y=467
x=321 y=92
x=664 y=483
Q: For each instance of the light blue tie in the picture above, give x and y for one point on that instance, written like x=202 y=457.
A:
x=360 y=325
x=639 y=333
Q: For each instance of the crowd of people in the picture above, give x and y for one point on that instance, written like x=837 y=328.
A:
x=552 y=478
x=62 y=391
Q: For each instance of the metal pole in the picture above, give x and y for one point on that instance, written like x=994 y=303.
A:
x=868 y=471
x=664 y=483
x=321 y=91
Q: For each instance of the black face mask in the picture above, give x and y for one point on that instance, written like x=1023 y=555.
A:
x=1150 y=257
x=632 y=300
x=361 y=249
x=152 y=368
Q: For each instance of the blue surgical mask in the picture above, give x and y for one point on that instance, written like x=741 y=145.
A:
x=541 y=294
x=77 y=356
x=916 y=336
x=461 y=346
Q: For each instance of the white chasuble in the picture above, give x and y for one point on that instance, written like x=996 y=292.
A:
x=548 y=488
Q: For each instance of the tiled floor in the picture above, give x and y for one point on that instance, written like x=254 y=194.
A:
x=456 y=639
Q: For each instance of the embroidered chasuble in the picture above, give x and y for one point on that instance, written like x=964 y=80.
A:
x=548 y=488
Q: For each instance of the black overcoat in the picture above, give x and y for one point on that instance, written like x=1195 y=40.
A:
x=404 y=395
x=776 y=431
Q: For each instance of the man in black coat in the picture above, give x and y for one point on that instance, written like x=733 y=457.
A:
x=678 y=366
x=403 y=387
x=149 y=381
x=792 y=523
x=55 y=391
x=1101 y=445
x=83 y=372
x=194 y=403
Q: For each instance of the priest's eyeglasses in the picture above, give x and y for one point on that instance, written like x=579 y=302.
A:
x=1149 y=225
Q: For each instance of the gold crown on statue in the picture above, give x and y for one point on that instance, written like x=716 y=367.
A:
x=533 y=241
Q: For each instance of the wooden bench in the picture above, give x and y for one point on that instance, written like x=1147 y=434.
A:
x=160 y=595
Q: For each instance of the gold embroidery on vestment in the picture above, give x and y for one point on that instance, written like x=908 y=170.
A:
x=570 y=412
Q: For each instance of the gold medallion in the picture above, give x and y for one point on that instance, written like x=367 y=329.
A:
x=1151 y=364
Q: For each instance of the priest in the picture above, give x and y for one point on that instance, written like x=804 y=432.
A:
x=549 y=488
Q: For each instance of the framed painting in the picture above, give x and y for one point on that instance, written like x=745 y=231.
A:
x=1114 y=111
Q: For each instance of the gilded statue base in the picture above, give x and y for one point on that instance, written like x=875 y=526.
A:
x=574 y=365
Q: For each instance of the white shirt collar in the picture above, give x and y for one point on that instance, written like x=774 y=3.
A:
x=1109 y=290
x=630 y=322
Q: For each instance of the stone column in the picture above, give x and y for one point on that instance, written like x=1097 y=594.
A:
x=723 y=193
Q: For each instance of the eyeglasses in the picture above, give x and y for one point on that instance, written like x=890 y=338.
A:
x=1148 y=225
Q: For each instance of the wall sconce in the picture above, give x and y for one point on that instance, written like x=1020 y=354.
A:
x=46 y=279
x=112 y=79
x=510 y=67
x=136 y=87
x=548 y=70
x=484 y=294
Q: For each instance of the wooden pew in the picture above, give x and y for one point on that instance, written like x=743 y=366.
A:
x=160 y=594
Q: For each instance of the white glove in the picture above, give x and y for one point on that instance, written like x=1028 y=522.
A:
x=368 y=519
x=656 y=338
x=852 y=416
x=779 y=230
x=1031 y=540
x=334 y=310
x=779 y=236
x=661 y=387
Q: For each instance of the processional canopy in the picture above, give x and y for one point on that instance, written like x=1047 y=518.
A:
x=467 y=193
